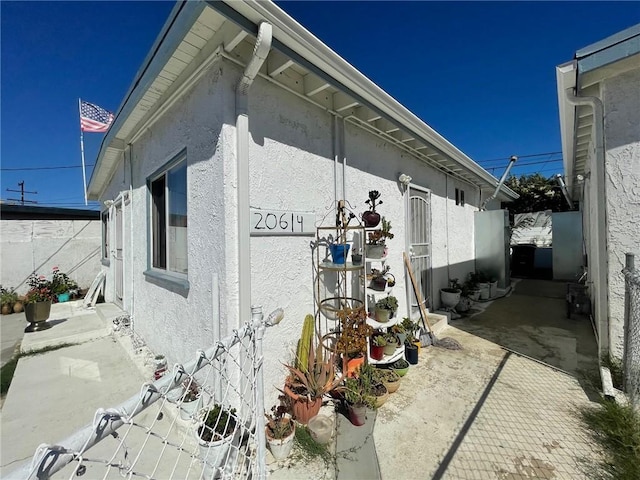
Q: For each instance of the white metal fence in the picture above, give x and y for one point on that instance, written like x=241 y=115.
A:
x=631 y=359
x=156 y=434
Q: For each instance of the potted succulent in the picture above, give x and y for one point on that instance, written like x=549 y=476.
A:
x=377 y=388
x=38 y=303
x=399 y=331
x=280 y=431
x=401 y=367
x=306 y=387
x=385 y=308
x=354 y=332
x=340 y=248
x=411 y=349
x=356 y=256
x=378 y=344
x=376 y=240
x=371 y=218
x=389 y=378
x=357 y=393
x=62 y=285
x=214 y=436
x=191 y=399
x=379 y=278
x=391 y=343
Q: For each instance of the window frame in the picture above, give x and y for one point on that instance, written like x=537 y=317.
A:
x=159 y=273
x=105 y=218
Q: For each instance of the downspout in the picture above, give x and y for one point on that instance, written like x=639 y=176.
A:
x=564 y=190
x=599 y=212
x=260 y=52
x=512 y=160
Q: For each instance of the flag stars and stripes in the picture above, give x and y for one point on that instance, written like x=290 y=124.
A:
x=94 y=118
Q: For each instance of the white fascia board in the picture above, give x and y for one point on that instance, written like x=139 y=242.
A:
x=180 y=20
x=298 y=39
x=565 y=80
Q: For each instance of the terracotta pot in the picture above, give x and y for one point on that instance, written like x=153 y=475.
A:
x=18 y=307
x=358 y=414
x=370 y=219
x=303 y=409
x=6 y=309
x=381 y=399
x=353 y=365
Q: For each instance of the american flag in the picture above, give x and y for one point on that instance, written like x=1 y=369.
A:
x=94 y=118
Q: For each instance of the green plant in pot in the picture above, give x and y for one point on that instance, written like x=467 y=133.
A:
x=376 y=240
x=371 y=218
x=7 y=299
x=392 y=343
x=38 y=303
x=306 y=387
x=191 y=400
x=378 y=344
x=399 y=331
x=215 y=435
x=389 y=378
x=450 y=296
x=385 y=308
x=411 y=349
x=401 y=367
x=280 y=431
x=376 y=386
x=62 y=286
x=357 y=393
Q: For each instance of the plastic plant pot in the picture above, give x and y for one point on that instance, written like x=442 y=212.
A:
x=321 y=428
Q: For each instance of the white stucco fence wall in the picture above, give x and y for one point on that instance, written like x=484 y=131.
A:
x=621 y=98
x=39 y=245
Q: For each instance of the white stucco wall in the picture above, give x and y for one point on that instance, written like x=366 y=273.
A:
x=291 y=168
x=39 y=245
x=621 y=98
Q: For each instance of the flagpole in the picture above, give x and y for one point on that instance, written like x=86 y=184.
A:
x=84 y=175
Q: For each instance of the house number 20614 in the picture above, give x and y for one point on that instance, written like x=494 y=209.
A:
x=276 y=222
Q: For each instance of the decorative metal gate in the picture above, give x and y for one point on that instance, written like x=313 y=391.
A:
x=420 y=245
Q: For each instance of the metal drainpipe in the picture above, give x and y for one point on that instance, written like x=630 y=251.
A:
x=512 y=160
x=564 y=190
x=260 y=52
x=599 y=213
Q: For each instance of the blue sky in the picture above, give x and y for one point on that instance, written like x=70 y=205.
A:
x=480 y=73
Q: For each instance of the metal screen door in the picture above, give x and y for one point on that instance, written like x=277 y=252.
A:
x=420 y=246
x=118 y=257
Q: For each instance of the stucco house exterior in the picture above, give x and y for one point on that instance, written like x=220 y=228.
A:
x=599 y=104
x=237 y=111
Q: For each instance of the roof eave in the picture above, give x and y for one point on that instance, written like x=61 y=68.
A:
x=566 y=80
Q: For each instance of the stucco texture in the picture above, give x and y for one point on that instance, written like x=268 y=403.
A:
x=621 y=98
x=39 y=245
x=291 y=153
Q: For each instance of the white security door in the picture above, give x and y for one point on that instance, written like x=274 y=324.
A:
x=118 y=254
x=419 y=229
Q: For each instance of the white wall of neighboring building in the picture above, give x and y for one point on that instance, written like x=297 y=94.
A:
x=621 y=98
x=291 y=169
x=39 y=245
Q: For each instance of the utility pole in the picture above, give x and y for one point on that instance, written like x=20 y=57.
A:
x=21 y=192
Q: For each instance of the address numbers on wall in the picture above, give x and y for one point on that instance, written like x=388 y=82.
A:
x=278 y=222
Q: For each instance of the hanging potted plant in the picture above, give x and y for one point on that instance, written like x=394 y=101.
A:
x=214 y=436
x=371 y=218
x=280 y=432
x=191 y=399
x=376 y=240
x=38 y=303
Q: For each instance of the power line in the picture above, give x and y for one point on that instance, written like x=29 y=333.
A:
x=519 y=157
x=43 y=168
x=521 y=165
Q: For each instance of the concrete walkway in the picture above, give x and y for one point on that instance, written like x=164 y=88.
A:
x=487 y=413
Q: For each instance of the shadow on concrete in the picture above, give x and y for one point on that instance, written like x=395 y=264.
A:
x=532 y=321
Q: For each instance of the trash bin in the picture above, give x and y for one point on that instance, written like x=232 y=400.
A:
x=522 y=260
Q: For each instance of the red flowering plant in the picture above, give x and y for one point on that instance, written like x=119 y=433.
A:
x=61 y=282
x=40 y=290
